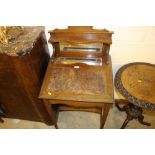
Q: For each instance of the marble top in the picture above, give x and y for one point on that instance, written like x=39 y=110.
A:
x=23 y=43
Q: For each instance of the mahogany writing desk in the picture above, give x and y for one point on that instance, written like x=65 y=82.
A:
x=79 y=75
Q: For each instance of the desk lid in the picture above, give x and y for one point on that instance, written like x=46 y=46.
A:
x=78 y=83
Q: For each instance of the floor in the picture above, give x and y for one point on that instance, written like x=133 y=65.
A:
x=83 y=120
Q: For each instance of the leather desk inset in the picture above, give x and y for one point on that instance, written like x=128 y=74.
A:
x=86 y=83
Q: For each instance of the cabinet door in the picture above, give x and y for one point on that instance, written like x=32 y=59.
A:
x=13 y=96
x=20 y=82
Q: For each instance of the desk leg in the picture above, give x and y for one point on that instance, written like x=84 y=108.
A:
x=51 y=112
x=104 y=114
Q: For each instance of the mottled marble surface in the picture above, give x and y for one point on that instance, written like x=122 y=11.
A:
x=83 y=120
x=21 y=43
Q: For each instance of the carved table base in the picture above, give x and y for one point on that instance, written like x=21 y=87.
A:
x=133 y=112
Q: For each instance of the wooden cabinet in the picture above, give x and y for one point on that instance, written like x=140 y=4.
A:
x=20 y=81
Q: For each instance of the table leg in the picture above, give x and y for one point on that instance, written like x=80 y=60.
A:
x=56 y=126
x=141 y=118
x=1 y=120
x=127 y=120
x=132 y=111
x=1 y=114
x=104 y=114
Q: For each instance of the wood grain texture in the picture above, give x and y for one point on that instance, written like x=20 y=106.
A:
x=136 y=82
x=20 y=82
x=80 y=86
x=87 y=83
x=81 y=34
x=139 y=80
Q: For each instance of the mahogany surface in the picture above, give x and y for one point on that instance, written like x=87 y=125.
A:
x=136 y=82
x=87 y=83
x=79 y=86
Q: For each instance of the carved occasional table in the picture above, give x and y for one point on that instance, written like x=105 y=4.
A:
x=136 y=82
x=79 y=75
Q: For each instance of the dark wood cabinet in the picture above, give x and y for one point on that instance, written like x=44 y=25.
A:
x=20 y=81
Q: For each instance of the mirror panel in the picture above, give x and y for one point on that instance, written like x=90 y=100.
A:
x=90 y=47
x=70 y=61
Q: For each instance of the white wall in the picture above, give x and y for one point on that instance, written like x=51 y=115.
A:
x=130 y=44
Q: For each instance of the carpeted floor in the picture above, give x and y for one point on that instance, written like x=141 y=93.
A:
x=83 y=120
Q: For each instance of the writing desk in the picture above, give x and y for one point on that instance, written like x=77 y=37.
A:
x=79 y=75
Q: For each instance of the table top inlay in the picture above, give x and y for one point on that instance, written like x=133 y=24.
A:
x=136 y=82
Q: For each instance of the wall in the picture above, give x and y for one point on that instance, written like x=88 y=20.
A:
x=130 y=44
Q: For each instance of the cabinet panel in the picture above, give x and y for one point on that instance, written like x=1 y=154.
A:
x=20 y=82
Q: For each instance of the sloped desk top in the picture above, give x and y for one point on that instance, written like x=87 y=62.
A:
x=86 y=83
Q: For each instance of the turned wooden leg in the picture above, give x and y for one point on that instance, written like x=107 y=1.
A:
x=127 y=120
x=104 y=114
x=56 y=126
x=51 y=113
